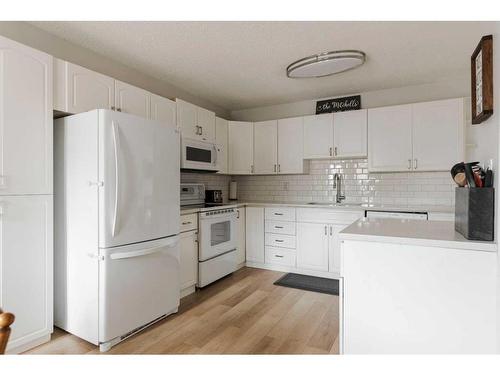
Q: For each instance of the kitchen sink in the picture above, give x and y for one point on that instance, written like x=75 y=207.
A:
x=335 y=204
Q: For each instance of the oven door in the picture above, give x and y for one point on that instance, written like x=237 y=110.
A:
x=199 y=155
x=217 y=235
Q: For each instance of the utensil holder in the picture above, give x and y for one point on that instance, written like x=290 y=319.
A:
x=475 y=213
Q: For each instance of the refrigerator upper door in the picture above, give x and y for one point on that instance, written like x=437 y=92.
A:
x=139 y=166
x=137 y=284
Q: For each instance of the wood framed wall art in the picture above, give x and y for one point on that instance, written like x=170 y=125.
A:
x=482 y=80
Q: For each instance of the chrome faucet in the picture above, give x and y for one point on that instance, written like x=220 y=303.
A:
x=337 y=183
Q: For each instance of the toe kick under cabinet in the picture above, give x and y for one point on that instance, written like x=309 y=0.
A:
x=303 y=240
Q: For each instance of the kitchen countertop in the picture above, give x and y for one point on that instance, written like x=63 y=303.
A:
x=412 y=232
x=346 y=206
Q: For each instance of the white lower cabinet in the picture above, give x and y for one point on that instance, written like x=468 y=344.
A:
x=241 y=229
x=254 y=234
x=26 y=268
x=188 y=259
x=312 y=246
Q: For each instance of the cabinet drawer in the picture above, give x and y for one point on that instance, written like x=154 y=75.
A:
x=189 y=222
x=280 y=240
x=280 y=227
x=279 y=256
x=280 y=213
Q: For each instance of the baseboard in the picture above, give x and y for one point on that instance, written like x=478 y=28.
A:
x=275 y=267
x=187 y=291
x=29 y=345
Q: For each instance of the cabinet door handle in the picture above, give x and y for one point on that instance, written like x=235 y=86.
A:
x=187 y=222
x=279 y=241
x=331 y=151
x=335 y=151
x=409 y=163
x=326 y=230
x=279 y=168
x=201 y=130
x=331 y=231
x=237 y=214
x=112 y=107
x=278 y=214
x=251 y=168
x=416 y=165
x=119 y=109
x=279 y=256
x=275 y=167
x=277 y=227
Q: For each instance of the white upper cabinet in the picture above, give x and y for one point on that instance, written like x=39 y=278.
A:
x=221 y=139
x=163 y=109
x=206 y=122
x=25 y=120
x=195 y=122
x=318 y=136
x=389 y=138
x=240 y=150
x=78 y=89
x=350 y=134
x=438 y=133
x=290 y=142
x=265 y=135
x=132 y=99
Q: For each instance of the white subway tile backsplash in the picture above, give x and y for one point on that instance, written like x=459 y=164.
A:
x=418 y=188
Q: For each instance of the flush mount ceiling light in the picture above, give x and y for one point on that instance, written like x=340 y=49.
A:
x=325 y=64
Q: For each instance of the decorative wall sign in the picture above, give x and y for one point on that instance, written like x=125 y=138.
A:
x=482 y=80
x=347 y=103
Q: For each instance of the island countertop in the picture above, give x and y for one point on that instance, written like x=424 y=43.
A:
x=412 y=232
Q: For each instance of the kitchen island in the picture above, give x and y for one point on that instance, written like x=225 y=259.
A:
x=416 y=287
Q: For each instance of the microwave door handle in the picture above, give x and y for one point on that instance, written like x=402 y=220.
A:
x=116 y=144
x=215 y=154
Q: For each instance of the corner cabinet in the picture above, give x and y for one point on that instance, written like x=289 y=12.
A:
x=195 y=122
x=416 y=137
x=240 y=150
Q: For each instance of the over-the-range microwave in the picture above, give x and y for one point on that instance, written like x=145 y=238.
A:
x=199 y=155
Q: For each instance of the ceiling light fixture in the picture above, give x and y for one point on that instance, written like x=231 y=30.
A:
x=325 y=64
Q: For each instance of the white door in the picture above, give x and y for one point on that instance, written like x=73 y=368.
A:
x=312 y=246
x=82 y=89
x=163 y=109
x=139 y=166
x=290 y=142
x=25 y=120
x=132 y=99
x=26 y=265
x=318 y=136
x=221 y=130
x=188 y=259
x=137 y=284
x=254 y=234
x=187 y=119
x=241 y=225
x=350 y=133
x=334 y=248
x=389 y=139
x=206 y=123
x=240 y=152
x=265 y=137
x=438 y=128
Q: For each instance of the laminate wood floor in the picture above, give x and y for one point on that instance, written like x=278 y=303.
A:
x=243 y=313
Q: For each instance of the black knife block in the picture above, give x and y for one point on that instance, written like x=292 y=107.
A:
x=475 y=213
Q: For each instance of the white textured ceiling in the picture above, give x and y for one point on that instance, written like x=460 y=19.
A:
x=242 y=64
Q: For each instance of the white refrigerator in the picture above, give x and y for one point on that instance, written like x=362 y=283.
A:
x=116 y=194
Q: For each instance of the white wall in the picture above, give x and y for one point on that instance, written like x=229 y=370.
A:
x=452 y=88
x=32 y=36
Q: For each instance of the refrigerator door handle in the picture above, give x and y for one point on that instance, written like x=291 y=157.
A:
x=116 y=144
x=139 y=253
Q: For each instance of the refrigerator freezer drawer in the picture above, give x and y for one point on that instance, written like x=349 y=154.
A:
x=137 y=284
x=215 y=268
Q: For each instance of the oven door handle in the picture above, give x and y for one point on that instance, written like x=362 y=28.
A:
x=218 y=217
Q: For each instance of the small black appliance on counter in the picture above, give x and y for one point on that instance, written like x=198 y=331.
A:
x=213 y=196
